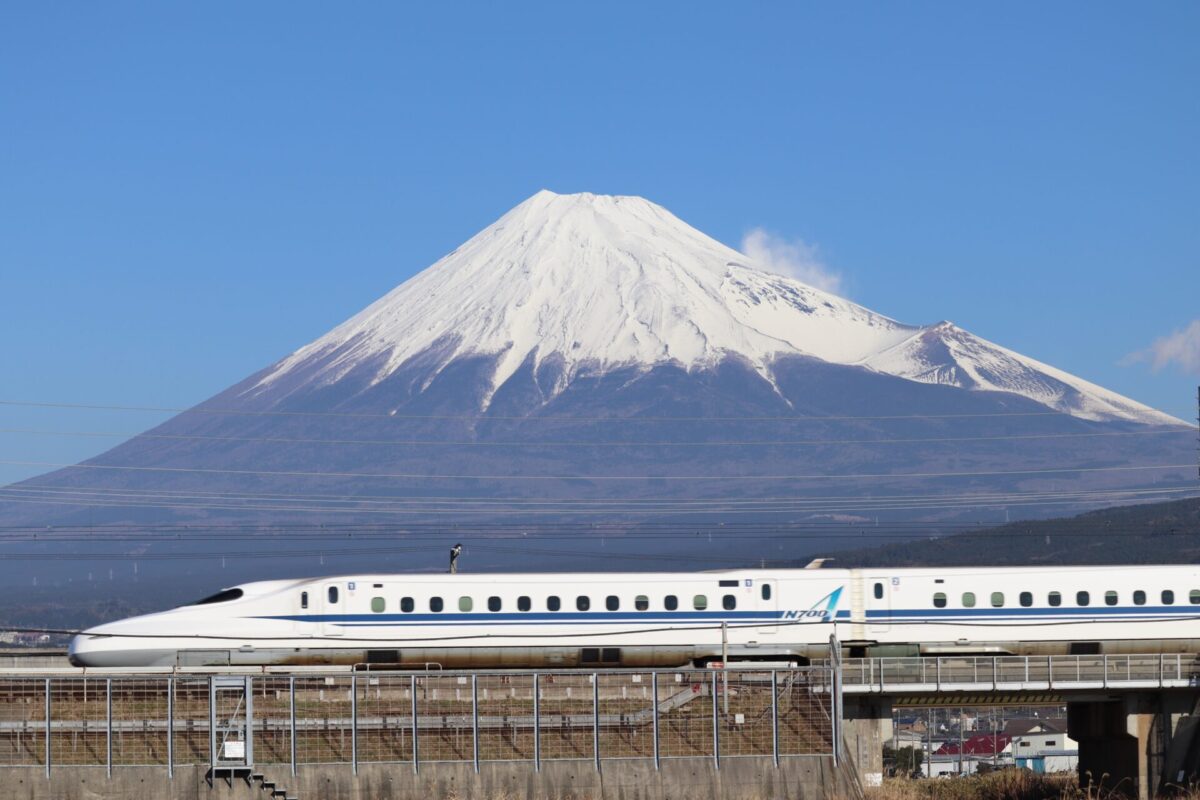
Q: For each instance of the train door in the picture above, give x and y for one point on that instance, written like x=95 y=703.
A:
x=334 y=607
x=879 y=603
x=768 y=606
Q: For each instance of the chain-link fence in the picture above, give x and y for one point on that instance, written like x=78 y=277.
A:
x=416 y=718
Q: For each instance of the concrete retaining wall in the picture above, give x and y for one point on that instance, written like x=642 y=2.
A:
x=682 y=779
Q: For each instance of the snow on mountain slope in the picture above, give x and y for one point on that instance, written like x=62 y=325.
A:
x=607 y=281
x=946 y=354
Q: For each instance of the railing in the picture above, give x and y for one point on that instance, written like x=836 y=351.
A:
x=1020 y=673
x=423 y=718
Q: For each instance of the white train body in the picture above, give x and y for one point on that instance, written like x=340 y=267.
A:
x=553 y=620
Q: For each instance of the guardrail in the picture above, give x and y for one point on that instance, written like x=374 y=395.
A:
x=289 y=720
x=1019 y=673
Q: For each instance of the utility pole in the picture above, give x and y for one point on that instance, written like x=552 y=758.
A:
x=930 y=720
x=960 y=742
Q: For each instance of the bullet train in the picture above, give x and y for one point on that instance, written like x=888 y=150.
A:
x=600 y=620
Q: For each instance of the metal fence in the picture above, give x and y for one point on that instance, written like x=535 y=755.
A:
x=417 y=718
x=1022 y=672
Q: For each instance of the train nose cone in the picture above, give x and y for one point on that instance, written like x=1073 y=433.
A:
x=73 y=654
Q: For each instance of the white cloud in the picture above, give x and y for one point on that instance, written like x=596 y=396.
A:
x=1181 y=348
x=795 y=259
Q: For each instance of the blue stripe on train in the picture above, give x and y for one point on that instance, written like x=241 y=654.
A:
x=873 y=615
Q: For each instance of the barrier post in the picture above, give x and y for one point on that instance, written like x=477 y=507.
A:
x=48 y=727
x=354 y=722
x=837 y=715
x=475 y=719
x=654 y=715
x=537 y=726
x=716 y=735
x=108 y=726
x=412 y=683
x=212 y=724
x=292 y=719
x=171 y=727
x=596 y=719
x=775 y=716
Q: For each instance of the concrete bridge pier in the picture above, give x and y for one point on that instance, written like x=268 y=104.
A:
x=1140 y=744
x=866 y=728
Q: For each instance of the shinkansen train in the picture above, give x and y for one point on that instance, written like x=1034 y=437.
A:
x=662 y=619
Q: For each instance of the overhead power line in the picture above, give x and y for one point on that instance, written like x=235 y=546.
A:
x=864 y=505
x=640 y=478
x=623 y=443
x=573 y=502
x=512 y=418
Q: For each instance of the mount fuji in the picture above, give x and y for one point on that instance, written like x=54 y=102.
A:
x=593 y=363
x=587 y=284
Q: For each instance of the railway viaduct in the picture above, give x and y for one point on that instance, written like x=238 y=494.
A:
x=745 y=733
x=1134 y=716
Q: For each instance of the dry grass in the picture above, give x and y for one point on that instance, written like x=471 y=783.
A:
x=1007 y=784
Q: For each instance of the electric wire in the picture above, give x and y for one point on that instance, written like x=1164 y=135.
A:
x=622 y=443
x=640 y=478
x=525 y=418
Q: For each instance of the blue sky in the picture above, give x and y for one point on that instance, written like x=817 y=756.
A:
x=189 y=193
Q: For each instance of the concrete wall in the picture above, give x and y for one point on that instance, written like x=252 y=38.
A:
x=866 y=727
x=694 y=779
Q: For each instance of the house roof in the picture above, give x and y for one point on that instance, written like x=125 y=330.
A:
x=978 y=745
x=1019 y=726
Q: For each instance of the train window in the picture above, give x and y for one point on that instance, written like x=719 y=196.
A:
x=407 y=604
x=583 y=603
x=524 y=603
x=670 y=602
x=968 y=599
x=997 y=599
x=493 y=603
x=1026 y=599
x=1168 y=597
x=436 y=605
x=700 y=602
x=612 y=602
x=553 y=603
x=1194 y=596
x=378 y=604
x=939 y=599
x=465 y=604
x=304 y=599
x=729 y=602
x=333 y=594
x=1139 y=598
x=1110 y=598
x=641 y=602
x=1082 y=598
x=879 y=591
x=1054 y=599
x=766 y=591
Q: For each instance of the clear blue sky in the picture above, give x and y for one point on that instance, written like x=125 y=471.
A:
x=189 y=193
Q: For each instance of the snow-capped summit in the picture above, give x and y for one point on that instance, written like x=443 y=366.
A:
x=599 y=282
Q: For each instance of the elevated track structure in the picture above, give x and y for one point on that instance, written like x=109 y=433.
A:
x=1134 y=716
